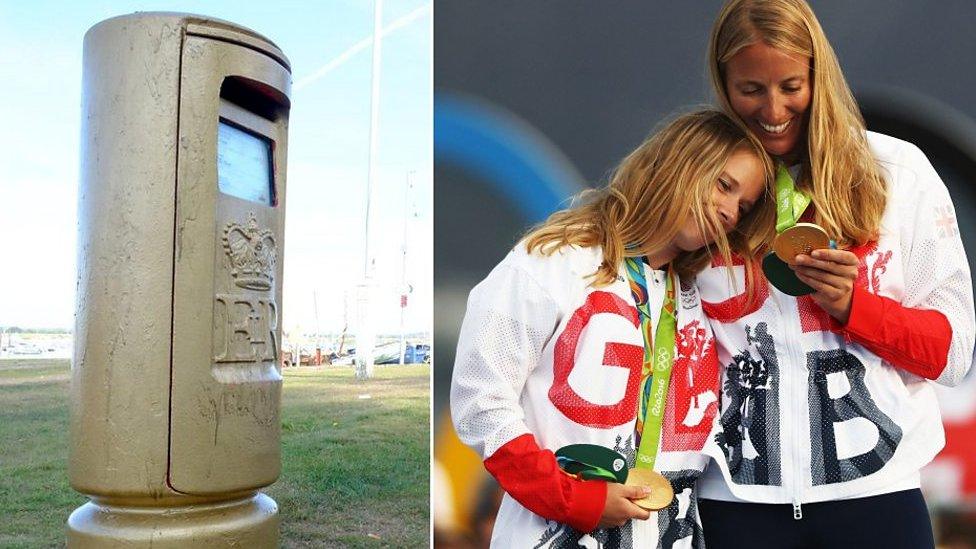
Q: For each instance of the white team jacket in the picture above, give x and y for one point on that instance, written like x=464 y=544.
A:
x=812 y=411
x=544 y=361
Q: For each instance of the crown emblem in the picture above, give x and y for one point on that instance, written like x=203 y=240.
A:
x=252 y=252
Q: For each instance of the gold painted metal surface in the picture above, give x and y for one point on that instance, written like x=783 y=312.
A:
x=175 y=392
x=120 y=369
x=242 y=523
x=234 y=34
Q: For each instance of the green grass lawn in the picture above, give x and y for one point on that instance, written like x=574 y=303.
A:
x=355 y=471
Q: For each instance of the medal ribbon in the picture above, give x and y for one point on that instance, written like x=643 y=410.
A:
x=790 y=203
x=658 y=361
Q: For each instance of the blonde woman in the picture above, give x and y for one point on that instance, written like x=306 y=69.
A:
x=828 y=410
x=552 y=348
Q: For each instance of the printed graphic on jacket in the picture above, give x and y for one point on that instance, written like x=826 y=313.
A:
x=841 y=417
x=672 y=523
x=693 y=394
x=750 y=424
x=692 y=400
x=616 y=355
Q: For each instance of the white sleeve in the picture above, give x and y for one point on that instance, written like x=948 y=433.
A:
x=509 y=320
x=936 y=269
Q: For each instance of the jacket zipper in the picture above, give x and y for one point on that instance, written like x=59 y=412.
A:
x=797 y=388
x=794 y=393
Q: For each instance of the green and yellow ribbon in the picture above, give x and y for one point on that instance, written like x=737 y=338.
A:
x=658 y=361
x=790 y=203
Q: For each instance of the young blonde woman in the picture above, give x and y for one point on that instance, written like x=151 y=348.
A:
x=554 y=344
x=828 y=409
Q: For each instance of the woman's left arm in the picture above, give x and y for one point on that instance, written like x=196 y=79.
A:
x=930 y=332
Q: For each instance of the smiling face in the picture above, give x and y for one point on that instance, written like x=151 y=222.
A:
x=738 y=188
x=770 y=90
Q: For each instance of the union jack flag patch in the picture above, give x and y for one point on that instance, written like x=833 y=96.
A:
x=945 y=219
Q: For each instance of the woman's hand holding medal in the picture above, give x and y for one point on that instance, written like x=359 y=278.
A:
x=620 y=507
x=629 y=496
x=831 y=273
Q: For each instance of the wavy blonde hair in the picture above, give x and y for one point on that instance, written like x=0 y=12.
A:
x=839 y=172
x=652 y=192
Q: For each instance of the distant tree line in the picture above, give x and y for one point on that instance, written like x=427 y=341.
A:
x=18 y=330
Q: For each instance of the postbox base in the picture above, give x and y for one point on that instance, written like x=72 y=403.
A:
x=248 y=522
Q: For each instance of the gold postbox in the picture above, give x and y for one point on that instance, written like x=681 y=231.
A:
x=176 y=383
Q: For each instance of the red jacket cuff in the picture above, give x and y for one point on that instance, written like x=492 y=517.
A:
x=533 y=478
x=587 y=508
x=916 y=340
x=866 y=314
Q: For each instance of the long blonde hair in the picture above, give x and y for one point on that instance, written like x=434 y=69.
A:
x=651 y=193
x=839 y=171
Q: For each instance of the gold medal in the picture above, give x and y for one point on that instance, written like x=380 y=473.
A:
x=801 y=238
x=661 y=491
